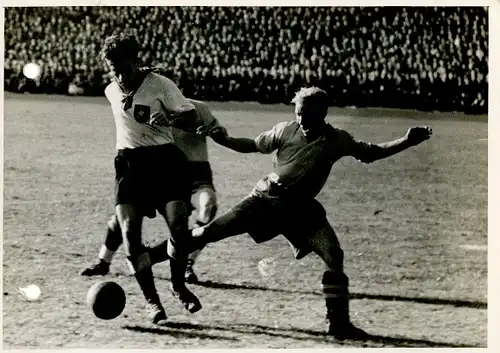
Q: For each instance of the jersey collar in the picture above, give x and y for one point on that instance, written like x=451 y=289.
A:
x=129 y=97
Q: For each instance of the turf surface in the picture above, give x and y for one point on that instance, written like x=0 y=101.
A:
x=414 y=230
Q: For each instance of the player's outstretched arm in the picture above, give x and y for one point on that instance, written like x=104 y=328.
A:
x=219 y=135
x=368 y=153
x=239 y=144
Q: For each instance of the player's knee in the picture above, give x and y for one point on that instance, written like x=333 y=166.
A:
x=130 y=226
x=207 y=205
x=207 y=212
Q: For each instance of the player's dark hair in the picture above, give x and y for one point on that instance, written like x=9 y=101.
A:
x=120 y=46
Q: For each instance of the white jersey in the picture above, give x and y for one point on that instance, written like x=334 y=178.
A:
x=156 y=96
x=195 y=146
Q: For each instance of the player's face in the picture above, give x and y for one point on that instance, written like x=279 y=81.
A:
x=123 y=71
x=311 y=117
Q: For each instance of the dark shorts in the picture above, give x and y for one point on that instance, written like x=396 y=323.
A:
x=264 y=219
x=150 y=177
x=201 y=176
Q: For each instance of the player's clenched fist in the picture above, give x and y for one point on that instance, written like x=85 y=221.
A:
x=418 y=134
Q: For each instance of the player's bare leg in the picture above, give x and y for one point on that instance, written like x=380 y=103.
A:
x=112 y=242
x=224 y=226
x=205 y=203
x=138 y=261
x=177 y=215
x=335 y=285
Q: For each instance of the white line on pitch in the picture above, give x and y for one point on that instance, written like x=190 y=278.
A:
x=483 y=139
x=474 y=247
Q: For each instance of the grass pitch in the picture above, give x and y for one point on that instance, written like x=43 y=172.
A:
x=413 y=227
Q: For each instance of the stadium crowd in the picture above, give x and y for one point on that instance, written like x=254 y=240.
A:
x=430 y=58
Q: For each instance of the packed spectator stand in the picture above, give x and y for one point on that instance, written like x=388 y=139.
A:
x=427 y=58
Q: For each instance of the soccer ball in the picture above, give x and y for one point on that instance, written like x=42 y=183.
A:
x=106 y=300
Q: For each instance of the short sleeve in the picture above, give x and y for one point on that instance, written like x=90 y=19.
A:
x=206 y=117
x=271 y=140
x=172 y=98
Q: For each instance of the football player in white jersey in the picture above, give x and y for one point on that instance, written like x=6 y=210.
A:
x=152 y=173
x=284 y=201
x=203 y=195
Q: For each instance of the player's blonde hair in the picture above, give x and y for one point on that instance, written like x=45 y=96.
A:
x=313 y=94
x=314 y=97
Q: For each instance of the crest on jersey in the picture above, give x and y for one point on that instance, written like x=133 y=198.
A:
x=141 y=113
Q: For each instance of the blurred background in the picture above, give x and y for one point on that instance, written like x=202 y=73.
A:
x=425 y=58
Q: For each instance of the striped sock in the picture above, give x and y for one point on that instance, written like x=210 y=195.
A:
x=336 y=292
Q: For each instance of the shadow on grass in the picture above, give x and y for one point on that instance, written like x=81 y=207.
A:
x=286 y=333
x=161 y=330
x=424 y=300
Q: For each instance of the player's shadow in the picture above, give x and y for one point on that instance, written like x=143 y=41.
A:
x=288 y=333
x=353 y=295
x=424 y=300
x=161 y=330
